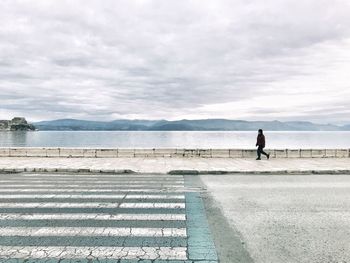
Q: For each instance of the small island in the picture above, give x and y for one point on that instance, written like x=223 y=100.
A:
x=16 y=124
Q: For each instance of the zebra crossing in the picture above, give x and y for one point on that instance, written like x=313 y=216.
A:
x=101 y=218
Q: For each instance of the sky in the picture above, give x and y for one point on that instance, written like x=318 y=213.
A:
x=175 y=59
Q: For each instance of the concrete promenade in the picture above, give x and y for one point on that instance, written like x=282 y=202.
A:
x=164 y=165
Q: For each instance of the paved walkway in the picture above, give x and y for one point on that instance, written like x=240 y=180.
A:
x=102 y=218
x=177 y=165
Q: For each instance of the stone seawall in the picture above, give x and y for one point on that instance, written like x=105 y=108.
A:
x=170 y=153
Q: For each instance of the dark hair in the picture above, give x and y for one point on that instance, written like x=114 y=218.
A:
x=260 y=131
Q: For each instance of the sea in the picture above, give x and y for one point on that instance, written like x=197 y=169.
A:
x=175 y=139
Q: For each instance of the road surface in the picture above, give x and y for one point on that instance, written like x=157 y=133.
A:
x=162 y=218
x=274 y=219
x=102 y=218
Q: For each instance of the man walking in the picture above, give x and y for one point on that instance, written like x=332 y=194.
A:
x=260 y=142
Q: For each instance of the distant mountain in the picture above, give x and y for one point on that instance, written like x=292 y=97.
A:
x=184 y=125
x=83 y=125
x=346 y=127
x=238 y=125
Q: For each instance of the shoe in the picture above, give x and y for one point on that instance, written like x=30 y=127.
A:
x=258 y=159
x=268 y=156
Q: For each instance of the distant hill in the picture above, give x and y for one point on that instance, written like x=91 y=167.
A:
x=184 y=125
x=83 y=125
x=346 y=127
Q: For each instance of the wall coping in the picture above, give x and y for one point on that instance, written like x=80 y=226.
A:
x=87 y=152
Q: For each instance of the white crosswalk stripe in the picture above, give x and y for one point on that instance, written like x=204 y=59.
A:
x=91 y=205
x=129 y=196
x=120 y=196
x=61 y=186
x=92 y=231
x=152 y=205
x=59 y=205
x=146 y=253
x=82 y=189
x=92 y=216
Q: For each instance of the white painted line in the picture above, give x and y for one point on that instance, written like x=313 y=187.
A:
x=96 y=186
x=89 y=190
x=97 y=183
x=59 y=205
x=145 y=253
x=152 y=205
x=91 y=216
x=55 y=196
x=38 y=181
x=88 y=196
x=93 y=231
x=91 y=205
x=132 y=196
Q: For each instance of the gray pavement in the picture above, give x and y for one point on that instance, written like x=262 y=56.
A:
x=274 y=219
x=102 y=218
x=165 y=165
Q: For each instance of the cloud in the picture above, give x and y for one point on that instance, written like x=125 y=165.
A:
x=175 y=59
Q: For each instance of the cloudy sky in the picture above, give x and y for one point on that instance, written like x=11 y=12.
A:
x=175 y=59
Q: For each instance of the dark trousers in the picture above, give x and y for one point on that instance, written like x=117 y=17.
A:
x=261 y=151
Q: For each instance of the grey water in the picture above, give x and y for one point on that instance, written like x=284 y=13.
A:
x=175 y=139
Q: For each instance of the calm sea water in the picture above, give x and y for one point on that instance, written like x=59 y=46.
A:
x=178 y=139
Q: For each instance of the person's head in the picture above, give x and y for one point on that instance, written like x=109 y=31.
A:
x=260 y=131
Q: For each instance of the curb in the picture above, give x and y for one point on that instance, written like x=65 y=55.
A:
x=172 y=172
x=65 y=170
x=254 y=172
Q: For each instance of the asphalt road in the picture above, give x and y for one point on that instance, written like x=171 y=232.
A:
x=274 y=219
x=102 y=218
x=162 y=218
